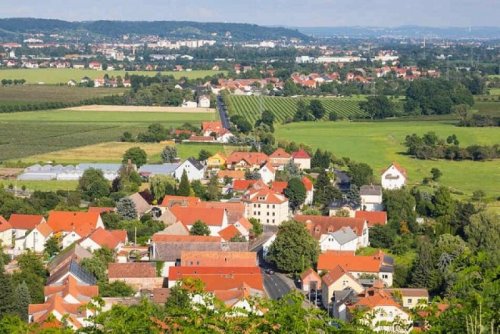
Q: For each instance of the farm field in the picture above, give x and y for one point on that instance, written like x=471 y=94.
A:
x=487 y=108
x=28 y=94
x=25 y=134
x=380 y=143
x=120 y=108
x=58 y=76
x=285 y=107
x=52 y=185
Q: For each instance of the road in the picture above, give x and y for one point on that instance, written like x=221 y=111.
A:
x=276 y=286
x=221 y=107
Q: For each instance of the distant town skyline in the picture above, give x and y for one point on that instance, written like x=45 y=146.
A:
x=292 y=13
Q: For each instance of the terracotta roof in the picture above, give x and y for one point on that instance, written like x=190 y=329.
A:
x=70 y=286
x=160 y=295
x=4 y=225
x=218 y=259
x=372 y=217
x=41 y=312
x=301 y=154
x=234 y=210
x=229 y=232
x=158 y=237
x=280 y=153
x=245 y=223
x=216 y=278
x=132 y=270
x=279 y=186
x=82 y=223
x=319 y=225
x=410 y=292
x=308 y=272
x=109 y=239
x=307 y=183
x=398 y=167
x=171 y=200
x=376 y=297
x=101 y=210
x=189 y=215
x=242 y=185
x=335 y=274
x=202 y=138
x=234 y=174
x=213 y=126
x=44 y=229
x=252 y=158
x=352 y=263
x=266 y=196
x=25 y=222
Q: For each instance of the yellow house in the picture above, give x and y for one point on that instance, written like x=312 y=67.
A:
x=217 y=160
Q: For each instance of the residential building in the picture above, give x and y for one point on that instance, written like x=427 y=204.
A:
x=139 y=275
x=214 y=218
x=309 y=190
x=372 y=217
x=310 y=280
x=99 y=238
x=267 y=206
x=246 y=160
x=172 y=200
x=22 y=224
x=194 y=169
x=5 y=233
x=302 y=159
x=338 y=279
x=410 y=298
x=141 y=205
x=218 y=160
x=394 y=177
x=36 y=238
x=204 y=101
x=73 y=225
x=371 y=198
x=267 y=173
x=279 y=158
x=218 y=259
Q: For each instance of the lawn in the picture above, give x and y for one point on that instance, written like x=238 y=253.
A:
x=52 y=185
x=380 y=143
x=405 y=259
x=26 y=134
x=57 y=76
x=488 y=108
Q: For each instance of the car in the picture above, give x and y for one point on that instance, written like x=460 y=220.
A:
x=269 y=271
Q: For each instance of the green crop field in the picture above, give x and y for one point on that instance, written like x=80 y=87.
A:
x=488 y=108
x=285 y=107
x=25 y=134
x=380 y=143
x=63 y=75
x=28 y=94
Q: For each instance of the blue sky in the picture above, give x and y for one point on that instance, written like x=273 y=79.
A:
x=304 y=13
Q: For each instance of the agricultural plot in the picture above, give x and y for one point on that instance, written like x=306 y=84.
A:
x=284 y=108
x=52 y=76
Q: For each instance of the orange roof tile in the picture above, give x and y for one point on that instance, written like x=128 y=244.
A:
x=334 y=275
x=265 y=196
x=229 y=232
x=307 y=183
x=189 y=215
x=252 y=158
x=351 y=262
x=158 y=237
x=280 y=153
x=234 y=210
x=108 y=239
x=245 y=223
x=70 y=286
x=372 y=217
x=279 y=186
x=213 y=126
x=25 y=222
x=132 y=270
x=171 y=200
x=376 y=297
x=301 y=154
x=4 y=225
x=307 y=273
x=82 y=223
x=218 y=259
x=233 y=174
x=101 y=210
x=44 y=229
x=242 y=185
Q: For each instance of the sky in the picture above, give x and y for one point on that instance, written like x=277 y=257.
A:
x=295 y=13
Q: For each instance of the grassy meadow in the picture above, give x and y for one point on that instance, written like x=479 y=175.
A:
x=380 y=143
x=53 y=76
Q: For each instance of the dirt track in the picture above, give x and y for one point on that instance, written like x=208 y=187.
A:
x=140 y=109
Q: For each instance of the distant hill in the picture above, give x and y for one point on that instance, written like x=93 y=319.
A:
x=404 y=32
x=172 y=29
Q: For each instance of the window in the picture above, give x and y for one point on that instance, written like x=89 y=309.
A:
x=410 y=301
x=385 y=276
x=274 y=214
x=268 y=206
x=268 y=213
x=274 y=206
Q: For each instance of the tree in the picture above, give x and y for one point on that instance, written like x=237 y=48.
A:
x=93 y=185
x=333 y=116
x=204 y=155
x=213 y=192
x=483 y=234
x=169 y=154
x=23 y=299
x=257 y=227
x=444 y=205
x=52 y=246
x=115 y=289
x=296 y=193
x=399 y=204
x=136 y=155
x=360 y=173
x=353 y=195
x=436 y=174
x=33 y=273
x=317 y=109
x=303 y=112
x=478 y=195
x=161 y=185
x=199 y=228
x=184 y=186
x=294 y=249
x=7 y=302
x=126 y=209
x=268 y=118
x=377 y=107
x=97 y=265
x=424 y=273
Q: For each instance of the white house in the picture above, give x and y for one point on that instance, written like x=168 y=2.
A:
x=22 y=225
x=371 y=198
x=215 y=218
x=36 y=239
x=189 y=104
x=203 y=102
x=309 y=190
x=337 y=279
x=266 y=205
x=344 y=239
x=5 y=233
x=302 y=159
x=99 y=238
x=394 y=177
x=194 y=170
x=267 y=173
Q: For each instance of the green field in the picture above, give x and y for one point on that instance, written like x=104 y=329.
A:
x=52 y=185
x=380 y=143
x=487 y=108
x=285 y=107
x=57 y=76
x=30 y=94
x=29 y=133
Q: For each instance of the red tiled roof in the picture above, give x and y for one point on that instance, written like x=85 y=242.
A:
x=4 y=225
x=319 y=225
x=158 y=237
x=44 y=229
x=245 y=223
x=171 y=200
x=82 y=223
x=109 y=239
x=301 y=154
x=82 y=292
x=229 y=232
x=234 y=210
x=307 y=183
x=376 y=297
x=213 y=126
x=132 y=270
x=335 y=274
x=101 y=210
x=218 y=259
x=266 y=196
x=252 y=158
x=234 y=174
x=189 y=215
x=25 y=222
x=280 y=153
x=201 y=138
x=349 y=261
x=279 y=186
x=372 y=217
x=398 y=167
x=242 y=185
x=308 y=272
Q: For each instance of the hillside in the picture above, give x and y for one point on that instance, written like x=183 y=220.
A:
x=172 y=29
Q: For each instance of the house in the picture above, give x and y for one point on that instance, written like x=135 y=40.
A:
x=266 y=205
x=409 y=297
x=231 y=175
x=141 y=205
x=204 y=102
x=372 y=217
x=394 y=177
x=100 y=238
x=194 y=169
x=267 y=173
x=279 y=186
x=371 y=198
x=352 y=232
x=310 y=280
x=95 y=65
x=309 y=190
x=382 y=312
x=235 y=211
x=71 y=269
x=218 y=259
x=22 y=224
x=73 y=225
x=139 y=275
x=175 y=229
x=74 y=253
x=377 y=266
x=165 y=169
x=229 y=233
x=302 y=159
x=214 y=218
x=172 y=200
x=189 y=104
x=5 y=233
x=337 y=279
x=246 y=160
x=36 y=238
x=280 y=158
x=211 y=128
x=218 y=160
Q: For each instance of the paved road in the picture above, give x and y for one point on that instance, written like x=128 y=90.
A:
x=221 y=107
x=276 y=287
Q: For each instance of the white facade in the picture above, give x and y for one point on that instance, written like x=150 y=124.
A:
x=328 y=242
x=309 y=197
x=215 y=229
x=302 y=163
x=189 y=104
x=388 y=319
x=392 y=178
x=372 y=202
x=35 y=241
x=268 y=214
x=70 y=238
x=266 y=174
x=225 y=138
x=6 y=238
x=203 y=102
x=192 y=172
